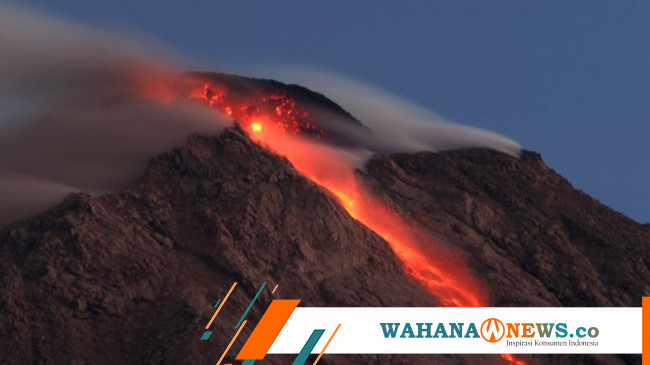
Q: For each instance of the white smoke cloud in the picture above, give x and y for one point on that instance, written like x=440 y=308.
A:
x=77 y=110
x=397 y=125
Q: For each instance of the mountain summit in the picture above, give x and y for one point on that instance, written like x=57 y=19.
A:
x=131 y=277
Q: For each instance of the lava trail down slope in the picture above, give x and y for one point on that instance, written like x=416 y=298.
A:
x=276 y=120
x=131 y=277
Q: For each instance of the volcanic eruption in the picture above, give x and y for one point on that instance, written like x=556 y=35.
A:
x=158 y=219
x=278 y=122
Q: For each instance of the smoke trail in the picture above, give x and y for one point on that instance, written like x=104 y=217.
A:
x=76 y=112
x=82 y=109
x=397 y=125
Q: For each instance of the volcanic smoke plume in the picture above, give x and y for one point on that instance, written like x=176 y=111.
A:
x=89 y=109
x=81 y=111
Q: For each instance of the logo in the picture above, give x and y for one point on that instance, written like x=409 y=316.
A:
x=266 y=331
x=492 y=330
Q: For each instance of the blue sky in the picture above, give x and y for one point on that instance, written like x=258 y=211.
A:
x=567 y=78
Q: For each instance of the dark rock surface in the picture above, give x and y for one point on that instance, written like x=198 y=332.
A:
x=132 y=277
x=534 y=239
x=530 y=236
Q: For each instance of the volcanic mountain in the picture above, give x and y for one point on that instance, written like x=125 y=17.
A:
x=131 y=277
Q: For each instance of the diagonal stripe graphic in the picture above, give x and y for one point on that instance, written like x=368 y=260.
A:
x=309 y=346
x=327 y=344
x=268 y=329
x=221 y=305
x=206 y=335
x=231 y=342
x=250 y=305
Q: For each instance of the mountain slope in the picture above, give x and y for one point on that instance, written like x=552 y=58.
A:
x=132 y=277
x=534 y=239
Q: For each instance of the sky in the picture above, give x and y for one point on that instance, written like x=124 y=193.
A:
x=567 y=78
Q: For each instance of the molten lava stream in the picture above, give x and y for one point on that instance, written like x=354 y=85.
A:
x=275 y=121
x=439 y=269
x=443 y=272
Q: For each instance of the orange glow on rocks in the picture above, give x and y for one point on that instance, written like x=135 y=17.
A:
x=282 y=111
x=513 y=360
x=437 y=267
x=277 y=123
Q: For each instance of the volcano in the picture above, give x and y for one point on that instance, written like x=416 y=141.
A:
x=289 y=108
x=130 y=277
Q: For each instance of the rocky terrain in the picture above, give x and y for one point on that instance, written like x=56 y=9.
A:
x=534 y=239
x=132 y=277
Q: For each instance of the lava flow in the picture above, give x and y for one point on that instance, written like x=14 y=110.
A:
x=279 y=124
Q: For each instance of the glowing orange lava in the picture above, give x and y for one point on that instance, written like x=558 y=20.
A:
x=284 y=112
x=277 y=123
x=513 y=360
x=256 y=127
x=441 y=270
x=435 y=267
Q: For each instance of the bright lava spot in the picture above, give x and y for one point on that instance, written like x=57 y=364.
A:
x=256 y=127
x=513 y=360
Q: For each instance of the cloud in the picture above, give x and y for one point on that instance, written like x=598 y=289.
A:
x=83 y=109
x=396 y=125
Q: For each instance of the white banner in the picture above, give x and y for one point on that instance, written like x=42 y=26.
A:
x=465 y=330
